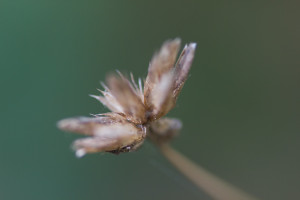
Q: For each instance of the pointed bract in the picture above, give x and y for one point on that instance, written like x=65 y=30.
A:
x=182 y=67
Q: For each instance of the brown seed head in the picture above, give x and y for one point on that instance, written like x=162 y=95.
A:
x=136 y=111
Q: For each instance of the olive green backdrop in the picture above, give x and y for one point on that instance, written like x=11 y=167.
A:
x=240 y=105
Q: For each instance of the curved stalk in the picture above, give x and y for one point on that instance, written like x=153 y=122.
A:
x=215 y=187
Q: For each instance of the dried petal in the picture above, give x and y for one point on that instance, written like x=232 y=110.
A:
x=109 y=126
x=126 y=96
x=111 y=133
x=85 y=125
x=93 y=145
x=161 y=97
x=182 y=67
x=162 y=63
x=164 y=81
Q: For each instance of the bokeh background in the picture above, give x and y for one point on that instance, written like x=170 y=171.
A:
x=240 y=105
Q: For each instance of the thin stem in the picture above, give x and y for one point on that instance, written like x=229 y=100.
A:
x=215 y=187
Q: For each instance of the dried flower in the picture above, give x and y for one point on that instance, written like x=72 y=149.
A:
x=136 y=111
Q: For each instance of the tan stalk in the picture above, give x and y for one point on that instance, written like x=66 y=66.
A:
x=215 y=187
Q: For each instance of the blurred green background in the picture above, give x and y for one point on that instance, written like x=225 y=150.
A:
x=240 y=105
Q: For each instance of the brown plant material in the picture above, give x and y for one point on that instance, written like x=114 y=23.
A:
x=212 y=185
x=135 y=111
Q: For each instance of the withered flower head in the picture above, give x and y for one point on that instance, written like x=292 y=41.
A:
x=135 y=111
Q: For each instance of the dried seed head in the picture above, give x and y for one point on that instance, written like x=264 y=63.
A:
x=108 y=133
x=136 y=112
x=165 y=79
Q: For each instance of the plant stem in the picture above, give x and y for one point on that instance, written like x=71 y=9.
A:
x=215 y=187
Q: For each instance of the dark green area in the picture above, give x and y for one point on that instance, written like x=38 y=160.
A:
x=240 y=106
